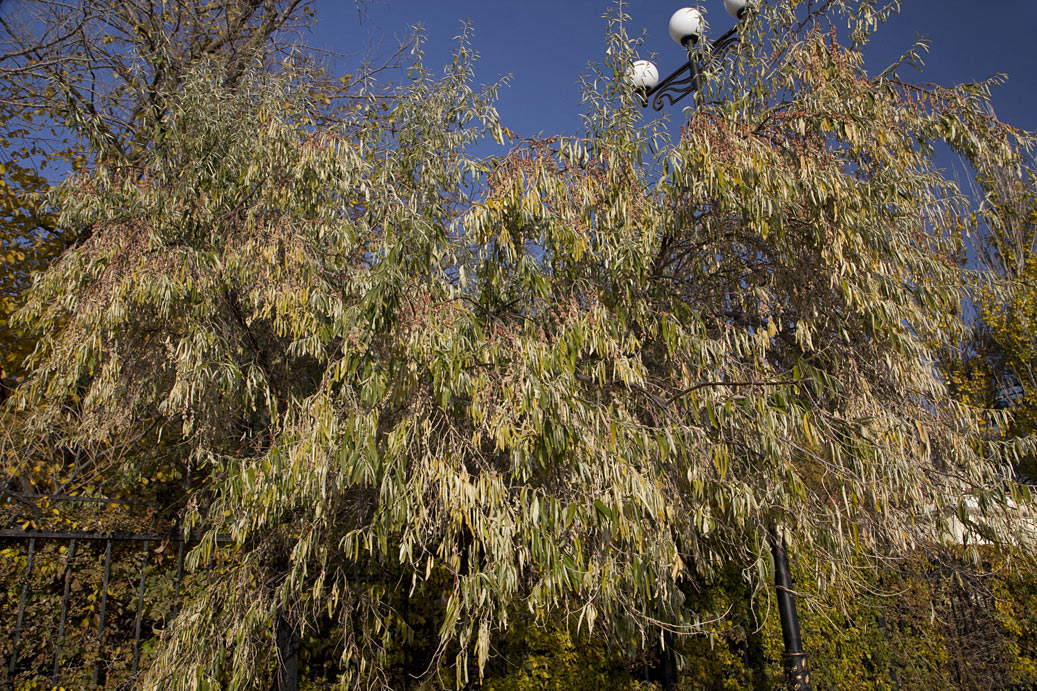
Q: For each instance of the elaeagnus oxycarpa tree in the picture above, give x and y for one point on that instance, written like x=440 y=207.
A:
x=574 y=378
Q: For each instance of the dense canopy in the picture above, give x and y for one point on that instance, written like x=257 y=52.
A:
x=575 y=378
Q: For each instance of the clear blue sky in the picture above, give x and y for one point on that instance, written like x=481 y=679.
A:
x=545 y=44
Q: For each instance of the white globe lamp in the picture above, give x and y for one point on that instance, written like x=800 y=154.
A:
x=687 y=26
x=643 y=74
x=736 y=8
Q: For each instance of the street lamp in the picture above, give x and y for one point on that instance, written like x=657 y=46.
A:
x=688 y=28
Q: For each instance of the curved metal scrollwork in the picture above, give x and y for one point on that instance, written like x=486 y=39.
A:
x=689 y=77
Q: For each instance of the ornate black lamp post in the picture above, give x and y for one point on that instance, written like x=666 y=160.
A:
x=687 y=27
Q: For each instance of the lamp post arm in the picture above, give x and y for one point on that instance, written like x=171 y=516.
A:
x=687 y=78
x=681 y=82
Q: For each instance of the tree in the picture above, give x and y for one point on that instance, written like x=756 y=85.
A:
x=101 y=72
x=575 y=378
x=107 y=70
x=99 y=75
x=29 y=240
x=92 y=80
x=996 y=365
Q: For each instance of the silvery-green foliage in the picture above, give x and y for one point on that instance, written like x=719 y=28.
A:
x=576 y=378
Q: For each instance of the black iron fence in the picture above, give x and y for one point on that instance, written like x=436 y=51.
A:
x=83 y=607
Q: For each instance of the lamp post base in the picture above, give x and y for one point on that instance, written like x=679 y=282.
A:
x=797 y=672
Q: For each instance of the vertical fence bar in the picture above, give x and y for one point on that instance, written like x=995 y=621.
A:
x=140 y=614
x=64 y=610
x=21 y=609
x=179 y=576
x=99 y=664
